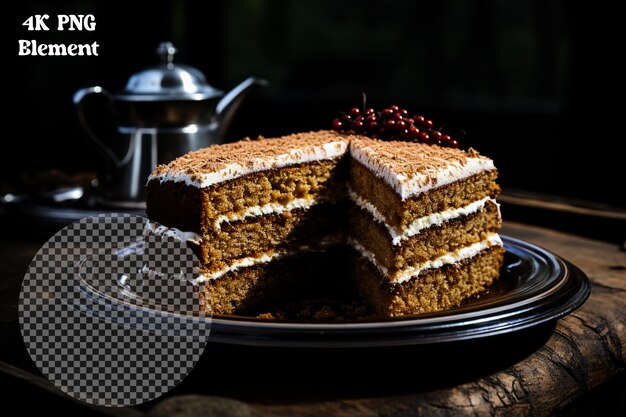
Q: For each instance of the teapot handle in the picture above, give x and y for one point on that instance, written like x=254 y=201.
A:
x=78 y=98
x=228 y=105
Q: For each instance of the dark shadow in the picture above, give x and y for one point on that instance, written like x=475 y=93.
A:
x=294 y=375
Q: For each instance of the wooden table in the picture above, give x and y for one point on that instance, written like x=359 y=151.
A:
x=572 y=367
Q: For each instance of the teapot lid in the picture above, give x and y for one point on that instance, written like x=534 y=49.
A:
x=167 y=82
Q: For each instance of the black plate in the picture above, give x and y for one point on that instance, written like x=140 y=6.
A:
x=535 y=287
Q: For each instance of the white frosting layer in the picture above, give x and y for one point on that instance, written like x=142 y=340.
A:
x=231 y=171
x=241 y=263
x=434 y=219
x=270 y=208
x=160 y=230
x=270 y=256
x=406 y=274
x=409 y=186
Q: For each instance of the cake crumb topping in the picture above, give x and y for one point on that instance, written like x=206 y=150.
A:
x=409 y=168
x=219 y=163
x=412 y=168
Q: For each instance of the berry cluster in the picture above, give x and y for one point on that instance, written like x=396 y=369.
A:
x=392 y=123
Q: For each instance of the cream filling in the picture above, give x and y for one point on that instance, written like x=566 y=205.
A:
x=241 y=263
x=234 y=170
x=160 y=230
x=406 y=274
x=269 y=208
x=236 y=264
x=434 y=219
x=268 y=257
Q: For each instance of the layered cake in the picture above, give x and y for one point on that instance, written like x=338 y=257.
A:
x=259 y=214
x=269 y=219
x=424 y=223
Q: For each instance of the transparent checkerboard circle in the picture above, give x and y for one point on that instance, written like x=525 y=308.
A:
x=96 y=348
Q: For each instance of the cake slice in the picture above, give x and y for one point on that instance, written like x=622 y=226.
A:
x=424 y=224
x=269 y=220
x=252 y=210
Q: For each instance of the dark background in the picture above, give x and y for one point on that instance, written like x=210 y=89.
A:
x=529 y=81
x=536 y=84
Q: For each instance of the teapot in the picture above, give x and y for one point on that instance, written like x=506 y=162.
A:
x=164 y=112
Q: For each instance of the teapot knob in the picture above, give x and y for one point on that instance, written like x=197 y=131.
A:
x=166 y=51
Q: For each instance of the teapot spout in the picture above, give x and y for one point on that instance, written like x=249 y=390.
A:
x=229 y=104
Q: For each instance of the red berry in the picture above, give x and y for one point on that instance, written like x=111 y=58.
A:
x=446 y=140
x=420 y=120
x=424 y=137
x=355 y=111
x=401 y=124
x=394 y=108
x=436 y=135
x=428 y=124
x=387 y=112
x=337 y=125
x=370 y=111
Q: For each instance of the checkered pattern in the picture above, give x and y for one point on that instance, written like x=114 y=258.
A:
x=95 y=311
